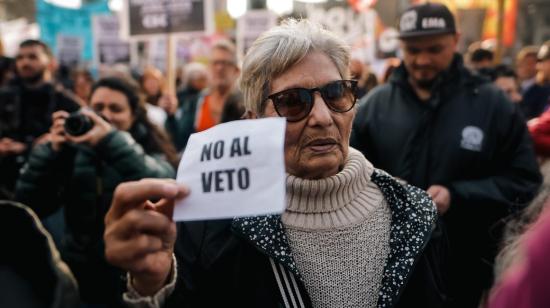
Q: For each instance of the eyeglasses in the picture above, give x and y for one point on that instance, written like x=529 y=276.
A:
x=222 y=63
x=295 y=104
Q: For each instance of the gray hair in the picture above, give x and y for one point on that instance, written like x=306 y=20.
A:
x=228 y=46
x=193 y=71
x=280 y=48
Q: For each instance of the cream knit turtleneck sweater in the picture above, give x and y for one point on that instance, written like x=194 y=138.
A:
x=339 y=231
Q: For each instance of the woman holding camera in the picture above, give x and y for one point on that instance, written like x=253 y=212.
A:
x=81 y=171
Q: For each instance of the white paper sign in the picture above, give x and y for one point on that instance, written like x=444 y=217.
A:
x=234 y=169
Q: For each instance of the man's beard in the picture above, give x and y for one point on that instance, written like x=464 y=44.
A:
x=425 y=84
x=35 y=78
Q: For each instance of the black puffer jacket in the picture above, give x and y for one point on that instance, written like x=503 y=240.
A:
x=32 y=274
x=230 y=264
x=83 y=180
x=468 y=137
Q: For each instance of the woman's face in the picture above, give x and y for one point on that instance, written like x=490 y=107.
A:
x=113 y=106
x=317 y=146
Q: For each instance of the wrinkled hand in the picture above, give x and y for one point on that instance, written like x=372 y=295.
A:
x=57 y=131
x=441 y=197
x=169 y=103
x=9 y=146
x=100 y=129
x=140 y=235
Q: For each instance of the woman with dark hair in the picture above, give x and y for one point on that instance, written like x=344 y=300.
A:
x=80 y=172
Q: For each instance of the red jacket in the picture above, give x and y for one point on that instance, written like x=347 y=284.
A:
x=540 y=132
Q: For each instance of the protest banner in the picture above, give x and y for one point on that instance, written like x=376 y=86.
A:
x=69 y=49
x=146 y=18
x=234 y=169
x=109 y=49
x=54 y=20
x=250 y=26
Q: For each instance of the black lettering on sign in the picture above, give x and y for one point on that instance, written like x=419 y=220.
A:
x=223 y=180
x=238 y=149
x=218 y=149
x=246 y=150
x=235 y=148
x=244 y=178
x=206 y=150
x=230 y=178
x=206 y=182
x=218 y=180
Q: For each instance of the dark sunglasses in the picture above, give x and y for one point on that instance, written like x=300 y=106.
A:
x=295 y=104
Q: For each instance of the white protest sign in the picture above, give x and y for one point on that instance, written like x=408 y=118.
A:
x=234 y=169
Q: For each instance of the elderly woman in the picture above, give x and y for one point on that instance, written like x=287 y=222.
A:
x=351 y=236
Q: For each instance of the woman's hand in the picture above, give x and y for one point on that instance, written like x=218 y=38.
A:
x=140 y=235
x=99 y=130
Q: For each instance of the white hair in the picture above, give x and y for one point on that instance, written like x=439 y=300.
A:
x=280 y=48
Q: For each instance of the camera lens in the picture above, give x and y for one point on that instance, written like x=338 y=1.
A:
x=77 y=124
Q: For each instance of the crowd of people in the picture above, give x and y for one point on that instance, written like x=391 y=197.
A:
x=426 y=187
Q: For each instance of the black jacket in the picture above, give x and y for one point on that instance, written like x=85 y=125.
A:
x=26 y=114
x=535 y=100
x=247 y=262
x=468 y=137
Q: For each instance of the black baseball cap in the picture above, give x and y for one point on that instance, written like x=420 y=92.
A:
x=426 y=19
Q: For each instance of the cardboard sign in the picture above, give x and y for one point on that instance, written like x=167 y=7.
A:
x=234 y=169
x=147 y=17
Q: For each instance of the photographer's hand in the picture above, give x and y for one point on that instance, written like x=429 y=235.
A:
x=57 y=131
x=100 y=129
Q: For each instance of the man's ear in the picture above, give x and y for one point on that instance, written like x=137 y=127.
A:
x=249 y=115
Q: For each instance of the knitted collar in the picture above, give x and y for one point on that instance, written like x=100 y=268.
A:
x=332 y=193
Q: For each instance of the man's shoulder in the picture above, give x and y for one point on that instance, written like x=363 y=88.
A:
x=379 y=95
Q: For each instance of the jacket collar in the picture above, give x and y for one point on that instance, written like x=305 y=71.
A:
x=413 y=218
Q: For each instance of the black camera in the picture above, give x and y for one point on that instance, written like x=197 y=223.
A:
x=78 y=124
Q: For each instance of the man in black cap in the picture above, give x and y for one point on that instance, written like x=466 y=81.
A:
x=440 y=127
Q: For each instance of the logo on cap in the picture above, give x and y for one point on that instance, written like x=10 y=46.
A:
x=433 y=22
x=408 y=21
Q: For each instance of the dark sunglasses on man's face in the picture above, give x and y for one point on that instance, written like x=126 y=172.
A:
x=295 y=104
